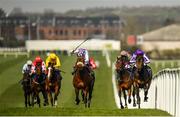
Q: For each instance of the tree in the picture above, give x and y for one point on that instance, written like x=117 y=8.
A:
x=17 y=11
x=168 y=21
x=2 y=13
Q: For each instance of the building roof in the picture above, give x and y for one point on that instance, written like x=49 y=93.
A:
x=168 y=33
x=64 y=21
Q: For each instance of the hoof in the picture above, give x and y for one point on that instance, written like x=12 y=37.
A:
x=134 y=105
x=122 y=107
x=126 y=107
x=46 y=104
x=129 y=101
x=55 y=103
x=89 y=106
x=77 y=102
x=145 y=99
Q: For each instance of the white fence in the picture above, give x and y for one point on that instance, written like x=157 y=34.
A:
x=14 y=51
x=167 y=91
x=164 y=92
x=92 y=44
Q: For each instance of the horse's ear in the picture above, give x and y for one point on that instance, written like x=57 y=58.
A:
x=118 y=57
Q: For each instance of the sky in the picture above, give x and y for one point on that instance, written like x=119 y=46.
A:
x=65 y=5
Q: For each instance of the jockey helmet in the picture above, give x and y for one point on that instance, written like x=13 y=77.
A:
x=29 y=62
x=38 y=59
x=52 y=56
x=124 y=53
x=139 y=52
x=81 y=52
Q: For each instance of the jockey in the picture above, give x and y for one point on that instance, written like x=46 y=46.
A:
x=139 y=52
x=54 y=59
x=27 y=67
x=81 y=52
x=146 y=60
x=124 y=56
x=38 y=63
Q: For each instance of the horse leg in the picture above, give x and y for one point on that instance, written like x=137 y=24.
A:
x=56 y=95
x=147 y=86
x=82 y=94
x=45 y=95
x=29 y=96
x=77 y=96
x=134 y=94
x=51 y=98
x=85 y=96
x=38 y=100
x=122 y=107
x=90 y=93
x=129 y=95
x=25 y=96
x=125 y=98
x=145 y=95
x=138 y=97
x=33 y=97
x=146 y=92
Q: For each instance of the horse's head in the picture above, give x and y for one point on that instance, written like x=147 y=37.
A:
x=26 y=79
x=120 y=63
x=50 y=70
x=139 y=62
x=38 y=69
x=80 y=63
x=26 y=76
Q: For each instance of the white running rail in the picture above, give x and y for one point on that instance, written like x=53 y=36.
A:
x=167 y=90
x=108 y=60
x=164 y=92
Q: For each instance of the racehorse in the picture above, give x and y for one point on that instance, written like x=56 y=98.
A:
x=38 y=87
x=142 y=80
x=26 y=82
x=54 y=84
x=125 y=81
x=82 y=80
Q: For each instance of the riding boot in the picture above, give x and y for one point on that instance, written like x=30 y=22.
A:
x=93 y=74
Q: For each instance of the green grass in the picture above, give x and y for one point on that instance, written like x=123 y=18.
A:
x=81 y=111
x=12 y=100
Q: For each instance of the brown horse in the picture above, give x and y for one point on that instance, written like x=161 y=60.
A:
x=26 y=82
x=54 y=84
x=39 y=86
x=125 y=81
x=142 y=79
x=82 y=80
